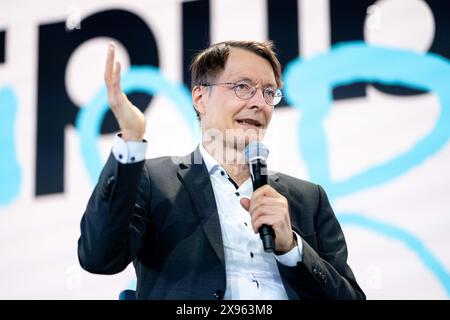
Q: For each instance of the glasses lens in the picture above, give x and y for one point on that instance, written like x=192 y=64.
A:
x=272 y=96
x=244 y=90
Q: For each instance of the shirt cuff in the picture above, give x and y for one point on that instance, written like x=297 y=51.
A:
x=294 y=256
x=130 y=151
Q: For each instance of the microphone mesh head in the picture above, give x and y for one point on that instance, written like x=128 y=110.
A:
x=256 y=150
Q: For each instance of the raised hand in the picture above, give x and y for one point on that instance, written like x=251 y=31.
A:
x=131 y=120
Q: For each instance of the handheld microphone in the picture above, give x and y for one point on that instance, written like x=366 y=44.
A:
x=256 y=155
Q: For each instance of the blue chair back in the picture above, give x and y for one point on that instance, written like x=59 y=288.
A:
x=127 y=295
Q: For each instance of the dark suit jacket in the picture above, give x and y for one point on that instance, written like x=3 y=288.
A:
x=161 y=214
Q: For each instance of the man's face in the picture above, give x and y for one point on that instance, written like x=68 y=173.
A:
x=224 y=115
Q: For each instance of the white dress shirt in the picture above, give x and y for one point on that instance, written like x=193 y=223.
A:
x=251 y=273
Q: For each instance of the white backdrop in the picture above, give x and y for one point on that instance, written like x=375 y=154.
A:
x=397 y=236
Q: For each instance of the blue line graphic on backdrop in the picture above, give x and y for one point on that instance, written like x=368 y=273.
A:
x=403 y=236
x=146 y=79
x=10 y=171
x=309 y=86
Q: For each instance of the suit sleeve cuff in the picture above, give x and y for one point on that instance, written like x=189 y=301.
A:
x=130 y=151
x=294 y=256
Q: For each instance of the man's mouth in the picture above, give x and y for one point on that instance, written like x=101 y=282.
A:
x=250 y=122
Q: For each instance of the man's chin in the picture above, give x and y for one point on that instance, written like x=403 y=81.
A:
x=241 y=138
x=236 y=139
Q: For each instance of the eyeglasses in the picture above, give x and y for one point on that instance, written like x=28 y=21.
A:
x=246 y=90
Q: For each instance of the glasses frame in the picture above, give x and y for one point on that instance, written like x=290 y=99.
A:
x=278 y=94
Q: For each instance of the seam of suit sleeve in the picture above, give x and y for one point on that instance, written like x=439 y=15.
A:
x=149 y=187
x=115 y=173
x=319 y=205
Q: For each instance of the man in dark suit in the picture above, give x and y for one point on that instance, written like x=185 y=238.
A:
x=190 y=224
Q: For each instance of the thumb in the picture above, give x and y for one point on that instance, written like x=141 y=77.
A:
x=245 y=202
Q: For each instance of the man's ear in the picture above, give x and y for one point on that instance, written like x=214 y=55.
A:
x=198 y=99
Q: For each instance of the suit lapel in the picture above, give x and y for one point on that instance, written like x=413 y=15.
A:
x=274 y=181
x=194 y=176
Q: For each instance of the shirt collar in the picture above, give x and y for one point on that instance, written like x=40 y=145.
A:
x=211 y=164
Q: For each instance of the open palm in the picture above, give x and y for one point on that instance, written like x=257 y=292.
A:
x=131 y=120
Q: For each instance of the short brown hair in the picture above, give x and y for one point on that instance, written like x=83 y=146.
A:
x=208 y=63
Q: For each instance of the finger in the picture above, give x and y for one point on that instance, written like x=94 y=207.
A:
x=267 y=211
x=268 y=221
x=116 y=81
x=245 y=203
x=260 y=194
x=266 y=190
x=109 y=68
x=265 y=201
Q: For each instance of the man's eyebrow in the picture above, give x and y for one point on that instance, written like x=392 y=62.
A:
x=268 y=84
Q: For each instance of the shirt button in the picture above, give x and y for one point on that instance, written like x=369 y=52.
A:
x=132 y=159
x=218 y=294
x=251 y=254
x=120 y=156
x=237 y=194
x=222 y=172
x=246 y=224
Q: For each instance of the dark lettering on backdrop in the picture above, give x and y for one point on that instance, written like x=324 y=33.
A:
x=347 y=24
x=196 y=32
x=283 y=29
x=2 y=46
x=132 y=32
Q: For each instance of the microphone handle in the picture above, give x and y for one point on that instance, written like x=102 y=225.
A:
x=267 y=236
x=259 y=171
x=266 y=233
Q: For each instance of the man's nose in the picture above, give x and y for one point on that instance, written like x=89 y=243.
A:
x=258 y=99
